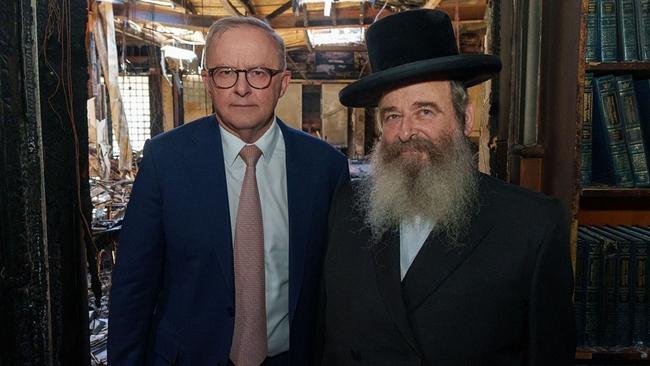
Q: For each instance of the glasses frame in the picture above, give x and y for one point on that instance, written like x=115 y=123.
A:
x=271 y=71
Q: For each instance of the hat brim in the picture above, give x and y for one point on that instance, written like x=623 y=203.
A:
x=468 y=69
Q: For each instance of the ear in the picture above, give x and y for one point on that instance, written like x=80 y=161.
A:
x=206 y=81
x=286 y=77
x=469 y=118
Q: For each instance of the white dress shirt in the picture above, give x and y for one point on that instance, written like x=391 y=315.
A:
x=412 y=235
x=272 y=185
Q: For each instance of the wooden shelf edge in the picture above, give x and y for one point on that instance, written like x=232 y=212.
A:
x=617 y=66
x=614 y=192
x=628 y=355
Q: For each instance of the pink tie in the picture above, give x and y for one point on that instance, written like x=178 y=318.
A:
x=249 y=339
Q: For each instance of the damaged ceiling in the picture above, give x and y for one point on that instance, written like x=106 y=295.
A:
x=185 y=22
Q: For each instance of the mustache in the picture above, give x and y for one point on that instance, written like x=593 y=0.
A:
x=434 y=150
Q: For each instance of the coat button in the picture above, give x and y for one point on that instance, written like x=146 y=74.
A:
x=231 y=311
x=355 y=354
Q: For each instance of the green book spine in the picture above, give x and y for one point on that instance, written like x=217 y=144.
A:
x=622 y=247
x=607 y=30
x=593 y=279
x=611 y=163
x=628 y=112
x=586 y=131
x=642 y=8
x=591 y=41
x=627 y=31
x=642 y=88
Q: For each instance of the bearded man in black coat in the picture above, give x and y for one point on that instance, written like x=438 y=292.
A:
x=430 y=262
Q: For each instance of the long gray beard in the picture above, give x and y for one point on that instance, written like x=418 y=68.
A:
x=442 y=189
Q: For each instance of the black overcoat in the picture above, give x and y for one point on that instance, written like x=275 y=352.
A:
x=503 y=297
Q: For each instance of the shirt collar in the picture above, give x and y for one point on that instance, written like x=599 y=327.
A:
x=232 y=144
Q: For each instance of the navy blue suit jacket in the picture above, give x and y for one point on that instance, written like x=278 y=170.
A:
x=172 y=298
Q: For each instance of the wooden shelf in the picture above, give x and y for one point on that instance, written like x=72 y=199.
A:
x=628 y=356
x=617 y=66
x=613 y=192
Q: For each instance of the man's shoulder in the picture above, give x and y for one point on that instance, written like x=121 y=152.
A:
x=184 y=130
x=509 y=198
x=303 y=140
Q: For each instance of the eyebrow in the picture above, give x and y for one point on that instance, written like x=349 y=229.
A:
x=431 y=105
x=385 y=110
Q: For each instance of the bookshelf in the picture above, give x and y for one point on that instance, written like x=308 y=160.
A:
x=562 y=83
x=612 y=205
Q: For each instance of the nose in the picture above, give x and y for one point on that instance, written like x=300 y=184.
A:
x=406 y=129
x=241 y=86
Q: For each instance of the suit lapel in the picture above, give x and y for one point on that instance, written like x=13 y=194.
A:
x=206 y=164
x=387 y=271
x=299 y=205
x=436 y=261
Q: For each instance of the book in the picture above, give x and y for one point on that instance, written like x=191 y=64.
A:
x=642 y=89
x=592 y=51
x=627 y=31
x=586 y=131
x=639 y=269
x=580 y=287
x=642 y=8
x=623 y=277
x=608 y=311
x=628 y=112
x=607 y=30
x=593 y=272
x=610 y=160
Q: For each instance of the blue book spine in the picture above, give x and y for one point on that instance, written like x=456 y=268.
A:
x=629 y=114
x=639 y=267
x=593 y=289
x=627 y=31
x=607 y=30
x=642 y=8
x=610 y=315
x=591 y=24
x=611 y=163
x=586 y=131
x=642 y=88
x=579 y=292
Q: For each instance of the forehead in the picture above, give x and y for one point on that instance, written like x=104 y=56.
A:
x=438 y=92
x=243 y=43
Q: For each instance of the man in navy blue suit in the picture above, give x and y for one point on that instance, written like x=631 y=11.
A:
x=176 y=284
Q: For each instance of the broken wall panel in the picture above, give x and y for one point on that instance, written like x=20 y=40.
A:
x=43 y=183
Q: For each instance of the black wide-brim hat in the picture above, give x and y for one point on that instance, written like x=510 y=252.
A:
x=415 y=46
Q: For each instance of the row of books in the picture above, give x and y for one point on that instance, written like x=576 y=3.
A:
x=611 y=287
x=615 y=131
x=617 y=30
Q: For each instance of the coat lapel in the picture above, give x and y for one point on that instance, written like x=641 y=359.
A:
x=387 y=271
x=436 y=261
x=206 y=164
x=299 y=205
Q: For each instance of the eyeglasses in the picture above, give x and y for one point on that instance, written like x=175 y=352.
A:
x=225 y=77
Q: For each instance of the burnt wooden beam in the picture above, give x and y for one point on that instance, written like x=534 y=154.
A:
x=231 y=8
x=248 y=5
x=281 y=9
x=149 y=13
x=44 y=190
x=185 y=4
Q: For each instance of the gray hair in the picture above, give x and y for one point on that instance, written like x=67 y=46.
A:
x=224 y=24
x=459 y=99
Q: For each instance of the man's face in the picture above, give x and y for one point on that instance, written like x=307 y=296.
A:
x=243 y=110
x=418 y=112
